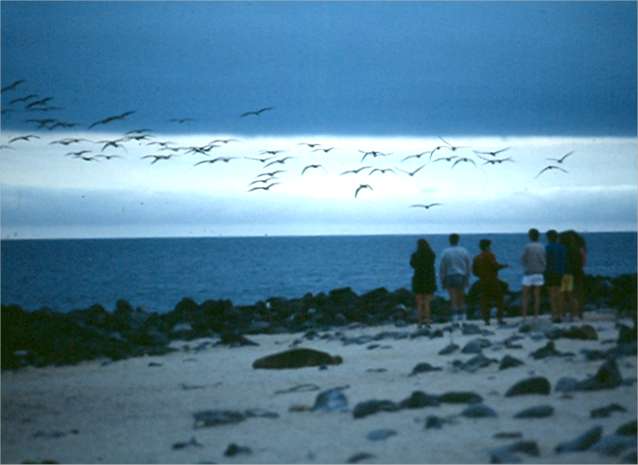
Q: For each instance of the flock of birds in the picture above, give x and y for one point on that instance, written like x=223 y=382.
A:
x=272 y=161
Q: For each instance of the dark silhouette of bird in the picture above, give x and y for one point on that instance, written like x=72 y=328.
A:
x=463 y=160
x=495 y=161
x=137 y=131
x=413 y=172
x=448 y=159
x=453 y=148
x=41 y=102
x=88 y=158
x=180 y=120
x=25 y=99
x=494 y=153
x=256 y=112
x=381 y=170
x=116 y=143
x=44 y=109
x=26 y=138
x=261 y=160
x=137 y=137
x=12 y=86
x=362 y=186
x=215 y=160
x=548 y=168
x=373 y=153
x=312 y=146
x=68 y=141
x=356 y=171
x=561 y=159
x=326 y=150
x=77 y=154
x=271 y=174
x=263 y=188
x=161 y=143
x=271 y=152
x=426 y=206
x=223 y=141
x=306 y=168
x=62 y=124
x=264 y=181
x=157 y=158
x=280 y=161
x=110 y=119
x=107 y=157
x=416 y=155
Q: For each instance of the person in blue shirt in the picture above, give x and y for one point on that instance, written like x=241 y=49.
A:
x=555 y=256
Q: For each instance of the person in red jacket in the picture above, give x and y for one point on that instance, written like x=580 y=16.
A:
x=485 y=267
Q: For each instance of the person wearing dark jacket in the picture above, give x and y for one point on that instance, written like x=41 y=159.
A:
x=485 y=268
x=423 y=280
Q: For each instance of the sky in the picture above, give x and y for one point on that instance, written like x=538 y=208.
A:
x=539 y=79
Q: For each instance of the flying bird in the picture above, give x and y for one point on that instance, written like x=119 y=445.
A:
x=324 y=150
x=356 y=171
x=413 y=172
x=157 y=158
x=68 y=141
x=373 y=153
x=416 y=155
x=41 y=102
x=23 y=99
x=448 y=159
x=280 y=161
x=263 y=188
x=215 y=160
x=494 y=153
x=310 y=167
x=312 y=146
x=265 y=180
x=561 y=159
x=271 y=152
x=463 y=160
x=495 y=161
x=26 y=138
x=548 y=168
x=362 y=186
x=453 y=148
x=12 y=86
x=426 y=206
x=272 y=173
x=256 y=112
x=77 y=154
x=381 y=170
x=180 y=120
x=112 y=143
x=261 y=160
x=108 y=157
x=110 y=119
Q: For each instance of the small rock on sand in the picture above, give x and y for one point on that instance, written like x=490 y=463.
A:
x=533 y=385
x=296 y=358
x=582 y=442
x=539 y=411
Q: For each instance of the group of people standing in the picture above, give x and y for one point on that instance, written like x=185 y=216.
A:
x=558 y=266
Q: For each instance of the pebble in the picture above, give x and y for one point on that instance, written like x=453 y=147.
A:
x=607 y=377
x=606 y=411
x=534 y=385
x=432 y=421
x=296 y=358
x=381 y=434
x=332 y=400
x=450 y=348
x=356 y=458
x=548 y=350
x=299 y=388
x=424 y=367
x=539 y=411
x=509 y=362
x=508 y=435
x=182 y=445
x=233 y=449
x=627 y=429
x=479 y=411
x=460 y=397
x=419 y=399
x=369 y=407
x=582 y=442
x=476 y=346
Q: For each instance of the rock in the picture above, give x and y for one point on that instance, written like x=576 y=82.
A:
x=332 y=400
x=381 y=434
x=525 y=447
x=507 y=454
x=606 y=411
x=296 y=358
x=469 y=329
x=422 y=332
x=508 y=435
x=584 y=332
x=436 y=334
x=614 y=444
x=432 y=421
x=566 y=384
x=607 y=377
x=535 y=385
x=582 y=442
x=479 y=411
x=473 y=364
x=509 y=362
x=419 y=399
x=369 y=407
x=460 y=397
x=232 y=339
x=476 y=346
x=539 y=411
x=450 y=348
x=424 y=367
x=191 y=443
x=299 y=388
x=548 y=350
x=208 y=418
x=594 y=355
x=627 y=429
x=233 y=449
x=356 y=458
x=260 y=413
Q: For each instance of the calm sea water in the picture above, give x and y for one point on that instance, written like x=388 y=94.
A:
x=156 y=273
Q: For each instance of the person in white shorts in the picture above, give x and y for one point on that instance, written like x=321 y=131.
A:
x=533 y=260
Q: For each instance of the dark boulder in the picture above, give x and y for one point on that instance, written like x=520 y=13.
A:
x=359 y=457
x=627 y=429
x=209 y=418
x=233 y=450
x=370 y=407
x=509 y=362
x=233 y=339
x=479 y=411
x=296 y=358
x=460 y=397
x=424 y=367
x=475 y=346
x=548 y=350
x=419 y=399
x=607 y=377
x=539 y=411
x=606 y=411
x=582 y=442
x=332 y=400
x=535 y=385
x=448 y=349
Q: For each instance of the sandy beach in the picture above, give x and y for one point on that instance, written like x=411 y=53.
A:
x=141 y=410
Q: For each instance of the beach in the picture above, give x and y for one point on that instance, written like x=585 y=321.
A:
x=142 y=409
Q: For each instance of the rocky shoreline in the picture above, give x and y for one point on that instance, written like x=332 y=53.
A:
x=46 y=337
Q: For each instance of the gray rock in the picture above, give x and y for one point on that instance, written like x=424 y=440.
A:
x=548 y=350
x=469 y=329
x=419 y=399
x=296 y=358
x=432 y=421
x=424 y=367
x=627 y=429
x=479 y=411
x=582 y=442
x=508 y=435
x=381 y=434
x=361 y=456
x=614 y=444
x=476 y=346
x=208 y=418
x=191 y=443
x=606 y=411
x=450 y=348
x=534 y=385
x=332 y=400
x=476 y=362
x=299 y=388
x=460 y=397
x=539 y=411
x=260 y=413
x=509 y=362
x=607 y=377
x=370 y=407
x=233 y=450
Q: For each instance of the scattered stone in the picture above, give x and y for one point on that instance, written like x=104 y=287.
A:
x=332 y=400
x=381 y=434
x=356 y=458
x=154 y=364
x=419 y=399
x=606 y=411
x=423 y=332
x=508 y=435
x=594 y=355
x=208 y=418
x=432 y=421
x=525 y=447
x=469 y=329
x=614 y=444
x=627 y=429
x=460 y=397
x=436 y=334
x=424 y=367
x=474 y=363
x=233 y=449
x=450 y=348
x=369 y=407
x=260 y=413
x=479 y=411
x=549 y=350
x=296 y=358
x=232 y=339
x=191 y=387
x=607 y=377
x=191 y=443
x=566 y=384
x=582 y=442
x=539 y=411
x=299 y=388
x=509 y=362
x=583 y=332
x=476 y=346
x=535 y=385
x=299 y=408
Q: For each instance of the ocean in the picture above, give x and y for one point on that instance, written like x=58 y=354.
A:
x=155 y=274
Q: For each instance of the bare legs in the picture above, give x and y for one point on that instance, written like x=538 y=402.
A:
x=457 y=299
x=423 y=308
x=536 y=291
x=555 y=302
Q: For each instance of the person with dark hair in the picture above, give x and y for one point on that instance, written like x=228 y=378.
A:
x=554 y=271
x=486 y=268
x=423 y=280
x=533 y=261
x=569 y=290
x=454 y=270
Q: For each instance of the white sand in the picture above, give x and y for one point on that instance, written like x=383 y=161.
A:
x=129 y=412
